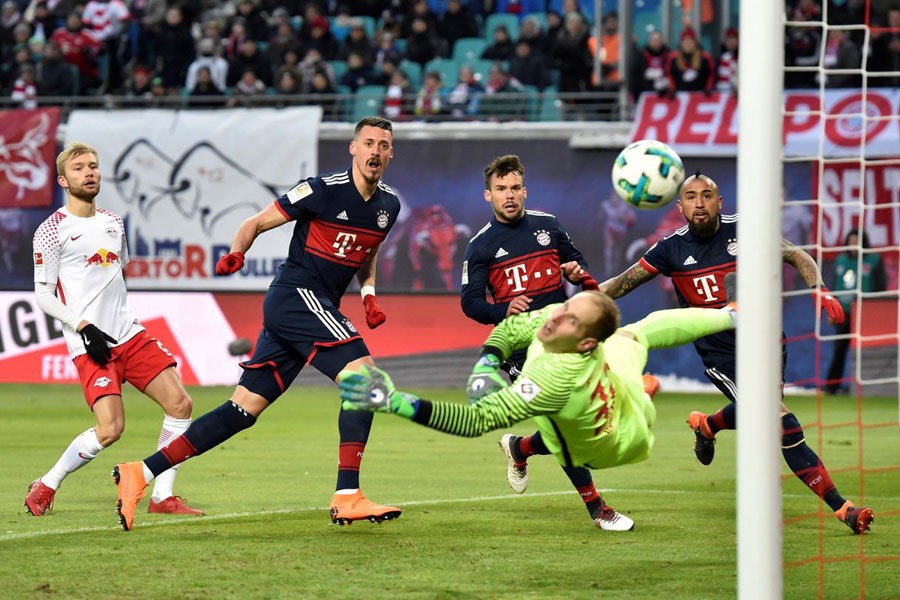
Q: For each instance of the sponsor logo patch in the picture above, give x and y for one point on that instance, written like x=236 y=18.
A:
x=298 y=193
x=526 y=389
x=102 y=382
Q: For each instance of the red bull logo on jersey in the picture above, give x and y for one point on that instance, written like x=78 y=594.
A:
x=101 y=257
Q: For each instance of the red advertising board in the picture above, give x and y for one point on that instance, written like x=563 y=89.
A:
x=28 y=157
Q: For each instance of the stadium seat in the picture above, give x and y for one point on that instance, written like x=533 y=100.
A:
x=400 y=45
x=532 y=103
x=447 y=67
x=413 y=71
x=367 y=101
x=551 y=105
x=492 y=21
x=465 y=49
x=482 y=68
x=345 y=102
x=339 y=67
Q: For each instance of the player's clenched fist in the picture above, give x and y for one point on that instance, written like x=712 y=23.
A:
x=230 y=263
x=374 y=315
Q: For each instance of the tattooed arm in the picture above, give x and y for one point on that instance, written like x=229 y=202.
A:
x=626 y=281
x=803 y=262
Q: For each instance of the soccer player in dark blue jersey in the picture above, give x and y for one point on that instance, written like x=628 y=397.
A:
x=340 y=219
x=697 y=257
x=521 y=257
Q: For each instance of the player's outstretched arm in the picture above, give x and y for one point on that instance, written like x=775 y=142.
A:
x=266 y=219
x=626 y=281
x=809 y=271
x=375 y=316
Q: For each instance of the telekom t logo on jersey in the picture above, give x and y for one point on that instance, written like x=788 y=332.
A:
x=706 y=287
x=516 y=277
x=343 y=241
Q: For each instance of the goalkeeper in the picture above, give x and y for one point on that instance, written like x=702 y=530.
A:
x=581 y=383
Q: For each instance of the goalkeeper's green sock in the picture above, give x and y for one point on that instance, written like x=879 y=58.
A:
x=678 y=326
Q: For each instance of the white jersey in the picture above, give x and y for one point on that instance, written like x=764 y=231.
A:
x=84 y=257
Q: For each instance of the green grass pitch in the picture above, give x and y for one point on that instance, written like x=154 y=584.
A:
x=463 y=534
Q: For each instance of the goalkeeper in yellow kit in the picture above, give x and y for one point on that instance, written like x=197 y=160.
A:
x=582 y=383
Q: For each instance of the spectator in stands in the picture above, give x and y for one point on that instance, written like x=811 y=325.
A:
x=500 y=101
x=42 y=21
x=884 y=55
x=422 y=44
x=205 y=87
x=9 y=18
x=311 y=12
x=430 y=101
x=54 y=75
x=554 y=27
x=158 y=92
x=386 y=50
x=236 y=38
x=140 y=83
x=79 y=49
x=283 y=39
x=24 y=91
x=358 y=41
x=246 y=90
x=418 y=9
x=175 y=49
x=149 y=16
x=321 y=38
x=358 y=73
x=12 y=69
x=650 y=67
x=802 y=47
x=850 y=12
x=572 y=56
x=531 y=32
x=312 y=65
x=398 y=89
x=209 y=59
x=690 y=67
x=609 y=51
x=388 y=24
x=727 y=63
x=106 y=21
x=463 y=99
x=249 y=57
x=501 y=47
x=322 y=93
x=528 y=67
x=288 y=81
x=385 y=72
x=572 y=7
x=841 y=53
x=257 y=28
x=457 y=22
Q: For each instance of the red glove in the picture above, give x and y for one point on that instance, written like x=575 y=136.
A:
x=589 y=283
x=230 y=263
x=374 y=315
x=831 y=306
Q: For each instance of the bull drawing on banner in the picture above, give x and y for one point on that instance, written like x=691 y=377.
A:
x=21 y=161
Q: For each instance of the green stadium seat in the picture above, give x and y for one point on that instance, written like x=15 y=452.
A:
x=465 y=49
x=368 y=100
x=532 y=103
x=413 y=71
x=551 y=105
x=447 y=67
x=339 y=67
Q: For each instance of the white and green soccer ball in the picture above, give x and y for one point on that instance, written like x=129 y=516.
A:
x=647 y=174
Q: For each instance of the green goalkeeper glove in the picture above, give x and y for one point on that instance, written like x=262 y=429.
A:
x=371 y=389
x=485 y=378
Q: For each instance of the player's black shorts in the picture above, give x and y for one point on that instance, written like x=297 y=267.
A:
x=721 y=370
x=299 y=327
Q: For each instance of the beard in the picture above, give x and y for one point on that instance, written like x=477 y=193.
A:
x=84 y=195
x=707 y=229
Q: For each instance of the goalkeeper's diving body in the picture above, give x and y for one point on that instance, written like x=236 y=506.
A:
x=582 y=383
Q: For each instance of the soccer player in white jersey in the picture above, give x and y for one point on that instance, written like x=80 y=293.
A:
x=79 y=254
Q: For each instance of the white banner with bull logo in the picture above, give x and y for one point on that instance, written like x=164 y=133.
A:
x=185 y=180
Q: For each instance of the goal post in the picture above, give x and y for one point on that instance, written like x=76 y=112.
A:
x=759 y=191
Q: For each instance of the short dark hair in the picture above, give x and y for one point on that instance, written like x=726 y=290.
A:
x=379 y=122
x=503 y=166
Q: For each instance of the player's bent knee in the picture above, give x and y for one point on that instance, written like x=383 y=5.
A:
x=110 y=434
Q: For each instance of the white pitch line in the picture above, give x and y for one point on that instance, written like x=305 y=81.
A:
x=9 y=537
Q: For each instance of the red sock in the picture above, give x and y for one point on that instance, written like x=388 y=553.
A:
x=716 y=422
x=178 y=451
x=817 y=479
x=525 y=446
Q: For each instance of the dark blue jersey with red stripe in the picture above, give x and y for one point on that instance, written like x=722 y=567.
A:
x=336 y=232
x=698 y=267
x=514 y=259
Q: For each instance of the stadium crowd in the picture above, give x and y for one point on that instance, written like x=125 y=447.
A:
x=421 y=59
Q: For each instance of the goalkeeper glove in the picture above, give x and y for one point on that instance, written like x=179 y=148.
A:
x=95 y=344
x=485 y=378
x=371 y=389
x=588 y=282
x=831 y=306
x=374 y=315
x=230 y=263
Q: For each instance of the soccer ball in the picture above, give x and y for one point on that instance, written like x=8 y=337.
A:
x=647 y=174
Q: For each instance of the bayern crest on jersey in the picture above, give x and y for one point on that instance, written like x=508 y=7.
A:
x=382 y=219
x=732 y=247
x=543 y=238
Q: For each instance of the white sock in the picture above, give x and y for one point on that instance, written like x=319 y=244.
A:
x=83 y=449
x=165 y=482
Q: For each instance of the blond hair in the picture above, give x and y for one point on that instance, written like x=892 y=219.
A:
x=73 y=150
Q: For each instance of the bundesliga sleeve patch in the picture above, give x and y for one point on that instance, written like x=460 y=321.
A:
x=465 y=272
x=299 y=192
x=38 y=259
x=526 y=389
